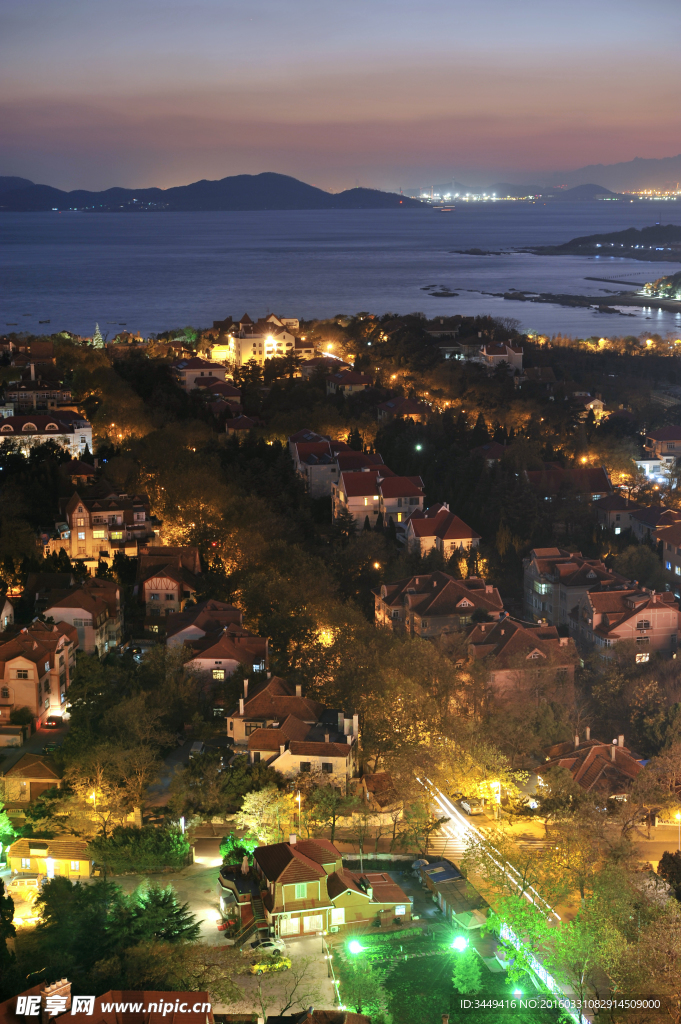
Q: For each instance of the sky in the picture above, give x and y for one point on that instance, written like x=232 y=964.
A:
x=382 y=93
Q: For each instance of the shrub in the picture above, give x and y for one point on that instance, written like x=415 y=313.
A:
x=129 y=848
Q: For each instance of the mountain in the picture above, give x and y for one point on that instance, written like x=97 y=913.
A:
x=659 y=242
x=9 y=182
x=628 y=176
x=580 y=192
x=506 y=188
x=266 y=191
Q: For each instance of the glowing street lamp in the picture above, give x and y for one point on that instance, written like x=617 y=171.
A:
x=460 y=943
x=355 y=947
x=419 y=447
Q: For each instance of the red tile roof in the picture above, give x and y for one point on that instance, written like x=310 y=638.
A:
x=444 y=524
x=402 y=487
x=319 y=749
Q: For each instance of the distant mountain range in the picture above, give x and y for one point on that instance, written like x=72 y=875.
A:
x=241 y=192
x=506 y=188
x=628 y=176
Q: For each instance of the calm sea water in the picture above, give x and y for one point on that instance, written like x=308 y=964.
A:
x=152 y=272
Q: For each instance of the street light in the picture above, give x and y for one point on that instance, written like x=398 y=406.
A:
x=459 y=943
x=355 y=947
x=419 y=447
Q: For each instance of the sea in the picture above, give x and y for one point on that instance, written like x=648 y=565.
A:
x=151 y=272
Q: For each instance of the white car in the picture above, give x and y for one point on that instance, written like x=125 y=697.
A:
x=269 y=946
x=472 y=806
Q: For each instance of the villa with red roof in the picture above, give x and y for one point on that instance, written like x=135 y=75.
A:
x=436 y=527
x=650 y=620
x=556 y=580
x=347 y=382
x=306 y=890
x=520 y=652
x=434 y=603
x=608 y=769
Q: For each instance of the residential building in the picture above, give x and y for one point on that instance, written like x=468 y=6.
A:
x=433 y=604
x=670 y=539
x=245 y=341
x=211 y=387
x=325 y=749
x=406 y=408
x=188 y=371
x=199 y=620
x=43 y=587
x=303 y=436
x=360 y=462
x=25 y=781
x=166 y=578
x=307 y=891
x=36 y=665
x=64 y=856
x=347 y=382
x=556 y=580
x=608 y=769
x=322 y=364
x=241 y=425
x=6 y=614
x=664 y=445
x=96 y=528
x=615 y=511
x=379 y=793
x=493 y=353
x=266 y=704
x=588 y=483
x=43 y=396
x=438 y=528
x=359 y=494
x=216 y=656
x=584 y=404
x=315 y=463
x=646 y=521
x=518 y=653
x=543 y=375
x=68 y=429
x=399 y=497
x=648 y=619
x=90 y=613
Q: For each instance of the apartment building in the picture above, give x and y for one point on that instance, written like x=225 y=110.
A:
x=556 y=580
x=94 y=528
x=36 y=665
x=670 y=539
x=43 y=396
x=315 y=463
x=520 y=652
x=438 y=528
x=646 y=521
x=664 y=445
x=270 y=337
x=66 y=428
x=433 y=604
x=400 y=497
x=188 y=371
x=648 y=619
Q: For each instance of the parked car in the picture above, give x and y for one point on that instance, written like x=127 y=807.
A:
x=197 y=749
x=24 y=887
x=269 y=946
x=53 y=722
x=279 y=963
x=51 y=747
x=471 y=805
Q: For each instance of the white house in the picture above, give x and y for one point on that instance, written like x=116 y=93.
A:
x=67 y=429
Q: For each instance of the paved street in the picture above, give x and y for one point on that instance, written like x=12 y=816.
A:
x=34 y=745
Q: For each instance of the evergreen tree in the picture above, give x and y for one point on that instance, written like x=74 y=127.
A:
x=454 y=566
x=97 y=339
x=87 y=456
x=345 y=526
x=367 y=524
x=467 y=977
x=480 y=433
x=392 y=530
x=7 y=929
x=380 y=523
x=355 y=440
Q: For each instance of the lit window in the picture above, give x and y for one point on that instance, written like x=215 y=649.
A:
x=218 y=673
x=642 y=658
x=81 y=535
x=677 y=570
x=668 y=565
x=25 y=862
x=338 y=915
x=98 y=534
x=75 y=865
x=154 y=597
x=301 y=890
x=116 y=535
x=618 y=530
x=400 y=909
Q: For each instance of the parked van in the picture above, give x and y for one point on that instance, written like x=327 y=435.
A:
x=197 y=748
x=24 y=887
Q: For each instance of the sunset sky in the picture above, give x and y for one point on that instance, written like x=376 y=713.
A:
x=387 y=93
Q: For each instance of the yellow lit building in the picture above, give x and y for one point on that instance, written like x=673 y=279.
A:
x=65 y=856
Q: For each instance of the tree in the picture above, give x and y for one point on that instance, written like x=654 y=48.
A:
x=467 y=976
x=129 y=848
x=419 y=824
x=266 y=814
x=345 y=525
x=327 y=805
x=152 y=913
x=295 y=989
x=669 y=868
x=7 y=929
x=355 y=440
x=363 y=989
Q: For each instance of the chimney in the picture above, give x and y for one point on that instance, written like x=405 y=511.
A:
x=326 y=737
x=620 y=740
x=445 y=1018
x=245 y=689
x=282 y=748
x=269 y=675
x=355 y=726
x=341 y=718
x=613 y=748
x=576 y=740
x=370 y=891
x=292 y=839
x=347 y=723
x=241 y=705
x=299 y=690
x=32 y=371
x=488 y=588
x=588 y=732
x=349 y=739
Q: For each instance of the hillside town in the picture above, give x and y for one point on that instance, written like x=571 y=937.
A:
x=315 y=637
